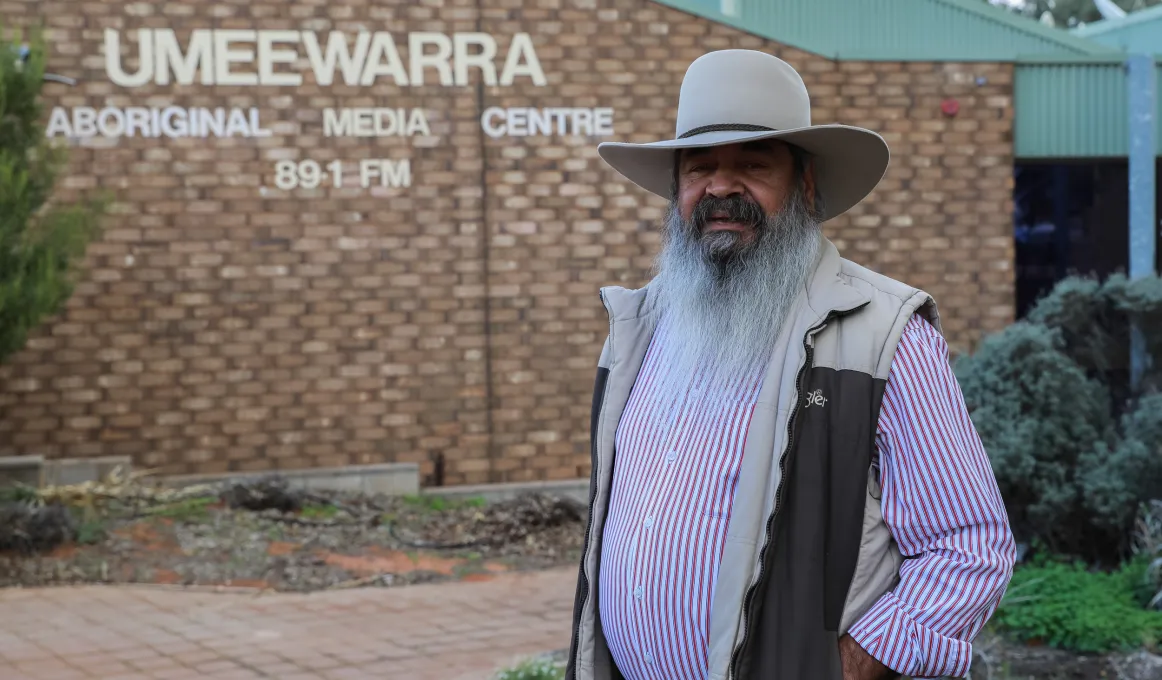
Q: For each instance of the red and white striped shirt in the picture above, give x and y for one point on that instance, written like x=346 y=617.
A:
x=678 y=463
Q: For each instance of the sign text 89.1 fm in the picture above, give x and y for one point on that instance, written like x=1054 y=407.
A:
x=370 y=172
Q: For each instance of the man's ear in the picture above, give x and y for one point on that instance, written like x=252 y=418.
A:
x=809 y=182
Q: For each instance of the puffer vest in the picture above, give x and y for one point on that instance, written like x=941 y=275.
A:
x=807 y=551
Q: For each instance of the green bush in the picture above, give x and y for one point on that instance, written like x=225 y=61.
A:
x=1148 y=549
x=1119 y=477
x=1068 y=606
x=40 y=241
x=1038 y=414
x=1074 y=448
x=1094 y=319
x=533 y=670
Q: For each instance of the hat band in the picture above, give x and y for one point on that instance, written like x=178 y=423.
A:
x=723 y=127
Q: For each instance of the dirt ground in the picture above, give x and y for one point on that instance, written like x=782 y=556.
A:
x=275 y=539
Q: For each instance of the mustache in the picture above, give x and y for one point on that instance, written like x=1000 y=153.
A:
x=735 y=208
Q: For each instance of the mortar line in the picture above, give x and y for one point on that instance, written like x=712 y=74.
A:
x=486 y=265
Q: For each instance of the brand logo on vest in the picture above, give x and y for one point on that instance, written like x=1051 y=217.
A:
x=816 y=398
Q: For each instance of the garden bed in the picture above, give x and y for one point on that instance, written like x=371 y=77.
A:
x=264 y=535
x=998 y=658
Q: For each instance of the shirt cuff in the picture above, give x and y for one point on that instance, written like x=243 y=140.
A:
x=890 y=634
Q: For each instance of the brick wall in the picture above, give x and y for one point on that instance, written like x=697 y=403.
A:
x=218 y=327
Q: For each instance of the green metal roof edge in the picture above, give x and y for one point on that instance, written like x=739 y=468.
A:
x=1071 y=45
x=1028 y=26
x=690 y=7
x=1106 y=26
x=1071 y=59
x=1033 y=58
x=1076 y=59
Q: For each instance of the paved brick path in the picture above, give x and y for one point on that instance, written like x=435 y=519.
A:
x=460 y=631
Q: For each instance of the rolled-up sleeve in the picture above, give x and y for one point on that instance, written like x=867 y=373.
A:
x=941 y=502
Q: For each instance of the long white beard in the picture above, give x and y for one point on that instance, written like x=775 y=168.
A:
x=722 y=302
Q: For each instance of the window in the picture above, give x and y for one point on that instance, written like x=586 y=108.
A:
x=1069 y=218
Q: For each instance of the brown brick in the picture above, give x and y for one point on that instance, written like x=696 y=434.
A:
x=217 y=329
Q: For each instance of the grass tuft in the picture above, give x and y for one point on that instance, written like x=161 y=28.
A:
x=533 y=669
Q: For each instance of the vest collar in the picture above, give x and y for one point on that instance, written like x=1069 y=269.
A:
x=827 y=291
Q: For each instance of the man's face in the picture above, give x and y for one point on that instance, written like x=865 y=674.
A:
x=734 y=184
x=738 y=246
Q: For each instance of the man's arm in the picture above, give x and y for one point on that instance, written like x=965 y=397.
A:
x=941 y=502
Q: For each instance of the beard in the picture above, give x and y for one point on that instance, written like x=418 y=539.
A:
x=723 y=297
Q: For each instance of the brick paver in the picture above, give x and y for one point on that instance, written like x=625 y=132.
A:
x=450 y=631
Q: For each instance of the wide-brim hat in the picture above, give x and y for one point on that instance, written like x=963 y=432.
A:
x=733 y=96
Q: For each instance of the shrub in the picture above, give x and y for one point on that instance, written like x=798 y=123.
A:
x=1119 y=477
x=39 y=241
x=1094 y=320
x=1148 y=549
x=536 y=669
x=1038 y=415
x=28 y=528
x=1074 y=449
x=1067 y=606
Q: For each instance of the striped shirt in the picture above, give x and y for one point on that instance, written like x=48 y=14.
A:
x=678 y=463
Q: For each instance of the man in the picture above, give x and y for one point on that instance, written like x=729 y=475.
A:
x=786 y=484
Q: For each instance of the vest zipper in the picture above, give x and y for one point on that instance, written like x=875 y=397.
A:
x=584 y=594
x=748 y=610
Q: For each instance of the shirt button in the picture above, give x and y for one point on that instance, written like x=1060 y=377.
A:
x=638 y=592
x=671 y=456
x=649 y=521
x=649 y=658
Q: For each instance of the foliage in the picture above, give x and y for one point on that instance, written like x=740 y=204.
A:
x=18 y=493
x=90 y=532
x=267 y=493
x=188 y=510
x=40 y=241
x=1020 y=386
x=28 y=528
x=319 y=511
x=437 y=503
x=533 y=670
x=1148 y=549
x=1120 y=477
x=1068 y=606
x=1069 y=12
x=1094 y=319
x=1074 y=449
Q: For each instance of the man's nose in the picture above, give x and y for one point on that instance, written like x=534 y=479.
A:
x=725 y=183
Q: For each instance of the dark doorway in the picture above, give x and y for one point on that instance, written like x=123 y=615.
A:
x=1070 y=218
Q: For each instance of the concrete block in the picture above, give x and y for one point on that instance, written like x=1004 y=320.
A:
x=68 y=471
x=576 y=489
x=26 y=470
x=391 y=479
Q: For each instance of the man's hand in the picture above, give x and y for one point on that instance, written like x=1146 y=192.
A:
x=859 y=665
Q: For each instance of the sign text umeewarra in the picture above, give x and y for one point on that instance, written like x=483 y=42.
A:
x=269 y=57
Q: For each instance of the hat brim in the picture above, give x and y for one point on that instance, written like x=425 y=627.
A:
x=849 y=161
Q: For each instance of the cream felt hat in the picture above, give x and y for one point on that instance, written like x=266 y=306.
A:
x=733 y=96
